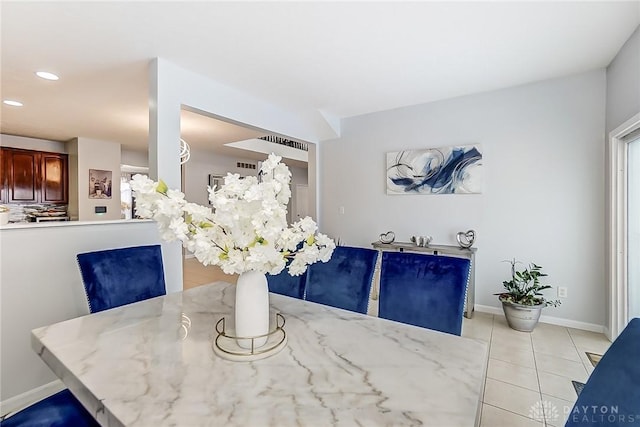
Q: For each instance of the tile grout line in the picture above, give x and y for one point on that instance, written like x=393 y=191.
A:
x=484 y=386
x=514 y=413
x=581 y=362
x=535 y=364
x=515 y=385
x=578 y=351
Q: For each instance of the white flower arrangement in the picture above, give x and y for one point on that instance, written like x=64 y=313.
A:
x=246 y=228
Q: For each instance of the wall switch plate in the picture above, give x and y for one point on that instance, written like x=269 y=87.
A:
x=562 y=292
x=341 y=210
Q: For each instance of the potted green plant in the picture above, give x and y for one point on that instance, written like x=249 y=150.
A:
x=522 y=300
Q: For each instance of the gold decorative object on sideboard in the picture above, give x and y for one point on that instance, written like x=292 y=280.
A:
x=448 y=250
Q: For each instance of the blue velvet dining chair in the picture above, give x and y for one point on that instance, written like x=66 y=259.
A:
x=116 y=277
x=111 y=278
x=611 y=396
x=344 y=281
x=285 y=284
x=58 y=410
x=423 y=290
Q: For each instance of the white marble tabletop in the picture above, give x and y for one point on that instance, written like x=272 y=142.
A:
x=133 y=366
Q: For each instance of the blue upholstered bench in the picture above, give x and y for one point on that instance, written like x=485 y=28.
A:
x=611 y=396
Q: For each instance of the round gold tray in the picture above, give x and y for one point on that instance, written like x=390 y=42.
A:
x=225 y=344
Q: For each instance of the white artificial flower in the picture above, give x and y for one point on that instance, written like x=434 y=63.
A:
x=179 y=228
x=270 y=164
x=306 y=225
x=246 y=227
x=198 y=213
x=143 y=184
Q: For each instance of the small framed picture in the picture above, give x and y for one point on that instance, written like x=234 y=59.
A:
x=100 y=184
x=217 y=180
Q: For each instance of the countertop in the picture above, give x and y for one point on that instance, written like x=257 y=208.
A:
x=49 y=224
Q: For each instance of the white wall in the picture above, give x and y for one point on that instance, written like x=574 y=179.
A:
x=623 y=102
x=134 y=158
x=623 y=83
x=299 y=176
x=40 y=284
x=543 y=198
x=172 y=87
x=32 y=143
x=203 y=163
x=100 y=155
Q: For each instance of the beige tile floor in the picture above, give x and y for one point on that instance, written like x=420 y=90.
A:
x=529 y=374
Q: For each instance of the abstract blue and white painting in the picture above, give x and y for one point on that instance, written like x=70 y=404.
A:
x=444 y=170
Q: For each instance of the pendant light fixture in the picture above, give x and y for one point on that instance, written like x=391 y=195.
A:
x=185 y=151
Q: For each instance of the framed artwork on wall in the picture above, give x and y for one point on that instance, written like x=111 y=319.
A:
x=443 y=170
x=215 y=180
x=100 y=184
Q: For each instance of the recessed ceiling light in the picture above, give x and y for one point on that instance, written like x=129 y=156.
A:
x=47 y=75
x=12 y=103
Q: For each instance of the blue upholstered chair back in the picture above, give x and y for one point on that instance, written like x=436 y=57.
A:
x=116 y=277
x=423 y=290
x=344 y=281
x=285 y=284
x=58 y=410
x=611 y=396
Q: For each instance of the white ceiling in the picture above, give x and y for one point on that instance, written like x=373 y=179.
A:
x=336 y=59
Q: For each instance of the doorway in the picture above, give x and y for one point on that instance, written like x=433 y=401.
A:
x=301 y=201
x=633 y=226
x=623 y=262
x=214 y=153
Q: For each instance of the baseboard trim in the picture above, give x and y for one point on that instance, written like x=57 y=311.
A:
x=549 y=319
x=25 y=399
x=487 y=309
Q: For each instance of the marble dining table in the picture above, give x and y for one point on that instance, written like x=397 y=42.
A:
x=152 y=364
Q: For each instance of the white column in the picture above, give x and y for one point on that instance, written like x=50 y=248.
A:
x=313 y=166
x=164 y=154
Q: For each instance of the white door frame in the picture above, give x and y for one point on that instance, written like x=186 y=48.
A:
x=617 y=227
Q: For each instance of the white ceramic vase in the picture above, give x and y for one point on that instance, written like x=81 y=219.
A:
x=252 y=308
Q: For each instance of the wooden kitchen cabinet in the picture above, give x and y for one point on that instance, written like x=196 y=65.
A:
x=23 y=179
x=35 y=176
x=54 y=175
